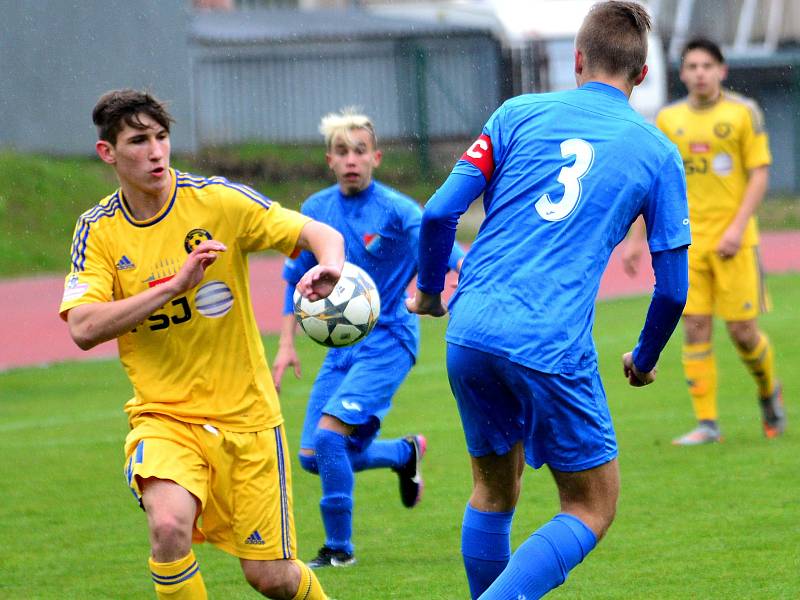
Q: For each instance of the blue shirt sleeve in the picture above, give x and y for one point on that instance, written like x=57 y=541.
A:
x=293 y=270
x=439 y=222
x=666 y=212
x=671 y=269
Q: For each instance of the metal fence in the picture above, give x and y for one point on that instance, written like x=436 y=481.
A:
x=420 y=87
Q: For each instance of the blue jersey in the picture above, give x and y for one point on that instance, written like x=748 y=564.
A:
x=567 y=173
x=381 y=235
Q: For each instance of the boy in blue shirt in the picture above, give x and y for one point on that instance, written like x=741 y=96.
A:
x=354 y=388
x=563 y=175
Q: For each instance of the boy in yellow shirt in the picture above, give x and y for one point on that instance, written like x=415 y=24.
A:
x=725 y=152
x=161 y=265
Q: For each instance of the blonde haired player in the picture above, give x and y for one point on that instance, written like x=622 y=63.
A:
x=353 y=390
x=161 y=265
x=725 y=152
x=343 y=124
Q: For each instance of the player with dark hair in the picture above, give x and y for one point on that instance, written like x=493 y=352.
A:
x=161 y=265
x=354 y=388
x=725 y=151
x=563 y=175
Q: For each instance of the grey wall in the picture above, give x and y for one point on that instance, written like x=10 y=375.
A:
x=278 y=91
x=58 y=56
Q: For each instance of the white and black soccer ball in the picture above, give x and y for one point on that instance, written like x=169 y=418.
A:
x=347 y=315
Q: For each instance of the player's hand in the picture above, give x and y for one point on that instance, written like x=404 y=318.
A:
x=426 y=304
x=192 y=271
x=318 y=282
x=285 y=358
x=631 y=255
x=635 y=377
x=729 y=244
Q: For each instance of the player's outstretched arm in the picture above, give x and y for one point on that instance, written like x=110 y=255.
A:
x=98 y=322
x=327 y=246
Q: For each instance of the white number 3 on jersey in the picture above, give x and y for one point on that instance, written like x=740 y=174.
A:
x=570 y=178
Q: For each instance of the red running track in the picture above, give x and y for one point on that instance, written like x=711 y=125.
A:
x=33 y=333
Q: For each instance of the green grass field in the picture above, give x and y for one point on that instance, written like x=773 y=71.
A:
x=706 y=522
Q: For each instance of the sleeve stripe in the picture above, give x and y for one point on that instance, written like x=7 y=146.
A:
x=78 y=250
x=186 y=180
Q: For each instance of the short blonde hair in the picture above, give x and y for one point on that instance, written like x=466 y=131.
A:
x=341 y=123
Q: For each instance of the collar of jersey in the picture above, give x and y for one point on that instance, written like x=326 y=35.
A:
x=126 y=211
x=604 y=88
x=362 y=195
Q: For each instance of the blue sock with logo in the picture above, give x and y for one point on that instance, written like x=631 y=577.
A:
x=544 y=560
x=380 y=453
x=485 y=546
x=336 y=476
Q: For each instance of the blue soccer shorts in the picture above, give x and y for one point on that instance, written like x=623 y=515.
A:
x=356 y=384
x=562 y=419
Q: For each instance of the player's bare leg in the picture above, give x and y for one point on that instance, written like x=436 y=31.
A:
x=171 y=511
x=590 y=495
x=541 y=563
x=282 y=579
x=496 y=480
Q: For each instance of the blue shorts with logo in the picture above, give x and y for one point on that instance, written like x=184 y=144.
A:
x=562 y=419
x=356 y=384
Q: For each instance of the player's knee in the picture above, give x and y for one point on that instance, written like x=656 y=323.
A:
x=170 y=537
x=309 y=463
x=273 y=578
x=744 y=334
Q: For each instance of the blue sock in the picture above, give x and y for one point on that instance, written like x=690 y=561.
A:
x=485 y=546
x=336 y=476
x=390 y=453
x=543 y=561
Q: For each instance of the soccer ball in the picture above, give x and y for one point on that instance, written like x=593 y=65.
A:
x=347 y=315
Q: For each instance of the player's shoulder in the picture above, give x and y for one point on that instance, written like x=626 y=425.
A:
x=744 y=105
x=319 y=200
x=217 y=186
x=103 y=212
x=673 y=109
x=390 y=196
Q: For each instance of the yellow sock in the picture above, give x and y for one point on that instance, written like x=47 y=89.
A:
x=700 y=368
x=178 y=580
x=761 y=365
x=310 y=587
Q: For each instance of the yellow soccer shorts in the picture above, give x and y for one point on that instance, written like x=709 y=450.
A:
x=732 y=289
x=241 y=479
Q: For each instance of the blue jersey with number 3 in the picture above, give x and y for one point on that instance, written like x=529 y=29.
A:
x=567 y=173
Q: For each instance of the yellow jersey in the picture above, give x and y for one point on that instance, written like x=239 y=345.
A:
x=719 y=146
x=199 y=358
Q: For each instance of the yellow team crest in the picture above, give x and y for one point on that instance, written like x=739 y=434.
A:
x=194 y=238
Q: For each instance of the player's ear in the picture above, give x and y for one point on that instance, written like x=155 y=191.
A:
x=376 y=158
x=578 y=62
x=640 y=78
x=723 y=72
x=328 y=159
x=105 y=150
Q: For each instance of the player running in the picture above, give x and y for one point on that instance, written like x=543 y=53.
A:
x=354 y=388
